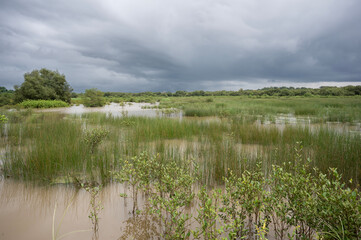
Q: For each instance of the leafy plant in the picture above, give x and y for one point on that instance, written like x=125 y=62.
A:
x=208 y=215
x=242 y=203
x=338 y=208
x=94 y=137
x=43 y=104
x=95 y=205
x=3 y=119
x=172 y=193
x=136 y=172
x=93 y=98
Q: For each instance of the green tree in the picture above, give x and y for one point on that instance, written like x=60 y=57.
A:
x=6 y=96
x=3 y=89
x=43 y=84
x=93 y=98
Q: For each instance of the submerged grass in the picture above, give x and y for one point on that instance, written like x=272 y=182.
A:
x=50 y=146
x=341 y=109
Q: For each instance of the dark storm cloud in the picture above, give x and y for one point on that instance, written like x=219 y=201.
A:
x=132 y=45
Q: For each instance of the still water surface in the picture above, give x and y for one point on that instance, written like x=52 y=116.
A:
x=116 y=110
x=26 y=212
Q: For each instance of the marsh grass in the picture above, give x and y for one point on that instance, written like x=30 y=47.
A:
x=341 y=109
x=48 y=146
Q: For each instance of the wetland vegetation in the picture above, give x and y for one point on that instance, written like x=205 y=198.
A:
x=274 y=163
x=226 y=167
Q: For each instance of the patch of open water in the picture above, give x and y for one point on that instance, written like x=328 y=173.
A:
x=116 y=110
x=26 y=211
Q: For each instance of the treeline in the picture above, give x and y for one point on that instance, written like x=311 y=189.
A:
x=269 y=91
x=10 y=97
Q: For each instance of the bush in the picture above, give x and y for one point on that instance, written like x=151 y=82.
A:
x=94 y=137
x=93 y=98
x=43 y=104
x=3 y=119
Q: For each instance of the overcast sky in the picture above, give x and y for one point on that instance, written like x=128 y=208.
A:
x=170 y=45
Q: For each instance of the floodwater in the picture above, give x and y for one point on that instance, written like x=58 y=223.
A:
x=282 y=120
x=117 y=110
x=27 y=211
x=148 y=110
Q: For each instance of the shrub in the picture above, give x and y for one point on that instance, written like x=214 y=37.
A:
x=3 y=119
x=94 y=137
x=93 y=98
x=43 y=104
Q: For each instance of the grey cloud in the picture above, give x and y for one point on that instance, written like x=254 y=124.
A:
x=164 y=45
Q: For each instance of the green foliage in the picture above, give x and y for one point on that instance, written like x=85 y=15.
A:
x=95 y=206
x=94 y=137
x=43 y=104
x=137 y=173
x=171 y=195
x=3 y=119
x=337 y=208
x=47 y=147
x=208 y=215
x=169 y=187
x=290 y=200
x=288 y=197
x=312 y=202
x=297 y=202
x=6 y=98
x=43 y=84
x=264 y=92
x=93 y=98
x=243 y=203
x=321 y=109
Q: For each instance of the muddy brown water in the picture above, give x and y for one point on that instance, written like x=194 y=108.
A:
x=27 y=211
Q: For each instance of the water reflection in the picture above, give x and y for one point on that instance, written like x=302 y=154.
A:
x=130 y=109
x=141 y=226
x=117 y=110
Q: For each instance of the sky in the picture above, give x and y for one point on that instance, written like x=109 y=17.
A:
x=170 y=45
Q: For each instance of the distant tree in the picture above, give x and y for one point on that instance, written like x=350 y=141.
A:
x=93 y=98
x=3 y=89
x=180 y=93
x=286 y=92
x=74 y=95
x=43 y=84
x=6 y=96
